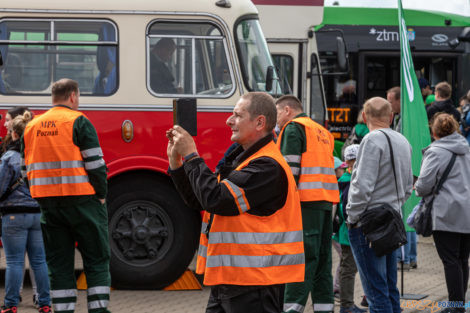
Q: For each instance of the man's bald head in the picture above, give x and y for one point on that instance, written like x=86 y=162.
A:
x=378 y=109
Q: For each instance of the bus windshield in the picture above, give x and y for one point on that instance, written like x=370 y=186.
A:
x=254 y=56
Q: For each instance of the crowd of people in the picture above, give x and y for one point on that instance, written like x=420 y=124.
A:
x=246 y=267
x=272 y=210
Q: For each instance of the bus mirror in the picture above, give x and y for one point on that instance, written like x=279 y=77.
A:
x=1 y=59
x=342 y=57
x=269 y=78
x=223 y=4
x=454 y=43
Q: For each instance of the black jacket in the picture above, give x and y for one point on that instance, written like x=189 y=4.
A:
x=161 y=78
x=263 y=181
x=344 y=188
x=443 y=106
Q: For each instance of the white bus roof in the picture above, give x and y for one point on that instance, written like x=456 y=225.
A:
x=289 y=19
x=238 y=7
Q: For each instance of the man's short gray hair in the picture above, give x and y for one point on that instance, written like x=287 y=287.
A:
x=262 y=103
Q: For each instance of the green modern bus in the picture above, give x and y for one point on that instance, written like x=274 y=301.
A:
x=372 y=40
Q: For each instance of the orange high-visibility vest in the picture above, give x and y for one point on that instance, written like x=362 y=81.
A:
x=54 y=164
x=317 y=179
x=254 y=250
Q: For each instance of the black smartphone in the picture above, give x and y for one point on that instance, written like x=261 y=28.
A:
x=185 y=114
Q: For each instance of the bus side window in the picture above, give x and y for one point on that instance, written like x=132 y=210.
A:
x=285 y=67
x=105 y=82
x=83 y=50
x=188 y=59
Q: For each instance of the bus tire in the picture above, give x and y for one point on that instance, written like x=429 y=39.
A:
x=153 y=235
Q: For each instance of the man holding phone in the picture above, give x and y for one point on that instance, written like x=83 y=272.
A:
x=251 y=236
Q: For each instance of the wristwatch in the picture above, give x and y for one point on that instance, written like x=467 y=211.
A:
x=190 y=156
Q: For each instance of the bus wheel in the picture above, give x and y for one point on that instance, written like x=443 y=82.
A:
x=153 y=235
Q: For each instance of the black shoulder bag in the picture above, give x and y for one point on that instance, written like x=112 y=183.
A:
x=423 y=218
x=382 y=225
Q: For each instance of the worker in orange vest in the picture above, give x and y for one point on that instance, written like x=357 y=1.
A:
x=251 y=235
x=67 y=176
x=308 y=149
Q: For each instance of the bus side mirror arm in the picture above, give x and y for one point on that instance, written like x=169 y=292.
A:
x=463 y=37
x=269 y=78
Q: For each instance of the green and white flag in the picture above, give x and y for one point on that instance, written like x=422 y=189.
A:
x=414 y=120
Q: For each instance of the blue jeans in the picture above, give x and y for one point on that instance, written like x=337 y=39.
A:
x=21 y=233
x=378 y=274
x=409 y=248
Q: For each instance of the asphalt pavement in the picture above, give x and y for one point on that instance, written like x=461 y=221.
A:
x=427 y=279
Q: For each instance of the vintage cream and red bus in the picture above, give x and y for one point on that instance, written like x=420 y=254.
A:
x=217 y=53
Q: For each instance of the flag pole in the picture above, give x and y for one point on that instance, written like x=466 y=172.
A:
x=414 y=121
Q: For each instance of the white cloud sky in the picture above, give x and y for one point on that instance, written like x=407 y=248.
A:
x=461 y=7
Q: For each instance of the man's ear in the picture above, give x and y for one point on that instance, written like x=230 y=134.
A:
x=364 y=117
x=260 y=122
x=288 y=110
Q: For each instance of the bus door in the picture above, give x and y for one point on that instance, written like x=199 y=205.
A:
x=289 y=59
x=298 y=67
x=380 y=71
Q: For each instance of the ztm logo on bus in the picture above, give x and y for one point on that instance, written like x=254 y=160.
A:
x=384 y=35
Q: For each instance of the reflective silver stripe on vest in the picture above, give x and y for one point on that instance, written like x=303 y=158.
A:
x=202 y=251
x=94 y=164
x=293 y=307
x=98 y=304
x=63 y=306
x=317 y=170
x=317 y=185
x=238 y=192
x=63 y=293
x=295 y=170
x=59 y=180
x=293 y=158
x=203 y=228
x=256 y=238
x=92 y=152
x=98 y=290
x=254 y=261
x=54 y=165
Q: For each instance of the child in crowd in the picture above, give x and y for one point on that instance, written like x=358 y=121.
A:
x=348 y=267
x=339 y=171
